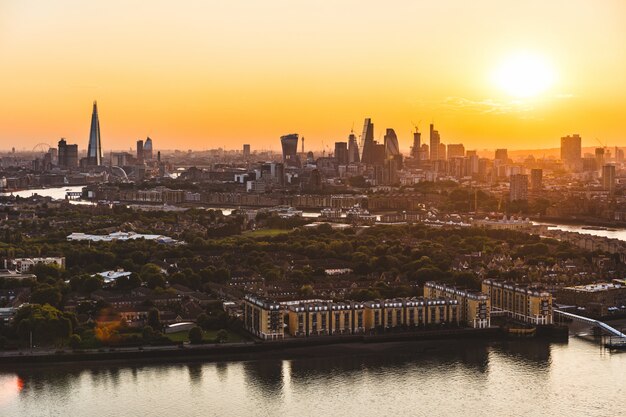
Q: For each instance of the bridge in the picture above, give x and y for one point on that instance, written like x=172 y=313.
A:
x=613 y=331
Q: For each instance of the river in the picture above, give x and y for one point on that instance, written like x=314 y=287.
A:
x=522 y=377
x=59 y=193
x=55 y=193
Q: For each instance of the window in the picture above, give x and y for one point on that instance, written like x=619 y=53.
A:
x=376 y=318
x=360 y=319
x=337 y=321
x=398 y=317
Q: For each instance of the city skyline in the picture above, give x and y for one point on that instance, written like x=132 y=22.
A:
x=249 y=80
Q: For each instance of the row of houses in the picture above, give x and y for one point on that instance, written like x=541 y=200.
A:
x=441 y=304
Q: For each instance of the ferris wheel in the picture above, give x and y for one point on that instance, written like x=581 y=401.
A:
x=41 y=148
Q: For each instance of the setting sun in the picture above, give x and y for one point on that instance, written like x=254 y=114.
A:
x=524 y=75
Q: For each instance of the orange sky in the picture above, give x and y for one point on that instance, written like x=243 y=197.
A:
x=204 y=74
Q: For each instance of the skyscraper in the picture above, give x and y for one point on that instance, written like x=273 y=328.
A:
x=353 y=149
x=417 y=144
x=518 y=187
x=455 y=149
x=570 y=149
x=289 y=144
x=147 y=149
x=140 y=151
x=608 y=178
x=246 y=151
x=68 y=155
x=367 y=141
x=536 y=179
x=341 y=153
x=502 y=155
x=434 y=143
x=392 y=147
x=94 y=150
x=599 y=158
x=441 y=153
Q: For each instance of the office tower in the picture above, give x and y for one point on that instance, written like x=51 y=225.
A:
x=147 y=149
x=458 y=166
x=140 y=152
x=571 y=149
x=246 y=151
x=608 y=178
x=68 y=155
x=434 y=143
x=120 y=159
x=367 y=141
x=599 y=158
x=289 y=144
x=417 y=144
x=455 y=150
x=536 y=179
x=54 y=159
x=441 y=154
x=518 y=187
x=392 y=147
x=473 y=163
x=390 y=172
x=502 y=155
x=94 y=150
x=341 y=153
x=353 y=149
x=377 y=154
x=62 y=145
x=619 y=155
x=471 y=153
x=589 y=164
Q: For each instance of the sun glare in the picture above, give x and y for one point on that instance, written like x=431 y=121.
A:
x=524 y=75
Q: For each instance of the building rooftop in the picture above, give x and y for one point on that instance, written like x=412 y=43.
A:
x=598 y=287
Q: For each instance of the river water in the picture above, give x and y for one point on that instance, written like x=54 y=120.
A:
x=59 y=193
x=469 y=378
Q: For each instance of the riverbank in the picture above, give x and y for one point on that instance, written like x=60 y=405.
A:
x=287 y=348
x=290 y=348
x=579 y=222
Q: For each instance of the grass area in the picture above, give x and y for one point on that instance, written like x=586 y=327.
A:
x=208 y=335
x=266 y=232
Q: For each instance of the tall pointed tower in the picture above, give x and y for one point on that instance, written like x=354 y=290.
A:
x=94 y=150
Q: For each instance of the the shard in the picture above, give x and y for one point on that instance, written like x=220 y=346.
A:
x=94 y=150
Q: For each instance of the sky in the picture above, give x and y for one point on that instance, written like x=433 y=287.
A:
x=208 y=74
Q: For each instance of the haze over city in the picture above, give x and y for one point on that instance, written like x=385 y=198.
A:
x=218 y=74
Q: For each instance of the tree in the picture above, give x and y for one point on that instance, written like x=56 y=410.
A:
x=46 y=294
x=91 y=284
x=46 y=323
x=154 y=318
x=75 y=341
x=203 y=321
x=221 y=336
x=195 y=335
x=147 y=333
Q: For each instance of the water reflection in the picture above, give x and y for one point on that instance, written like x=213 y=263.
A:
x=420 y=378
x=266 y=375
x=195 y=373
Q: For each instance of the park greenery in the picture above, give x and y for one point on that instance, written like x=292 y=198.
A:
x=388 y=261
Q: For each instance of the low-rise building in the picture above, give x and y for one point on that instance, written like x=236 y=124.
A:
x=600 y=299
x=263 y=318
x=530 y=304
x=27 y=264
x=474 y=306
